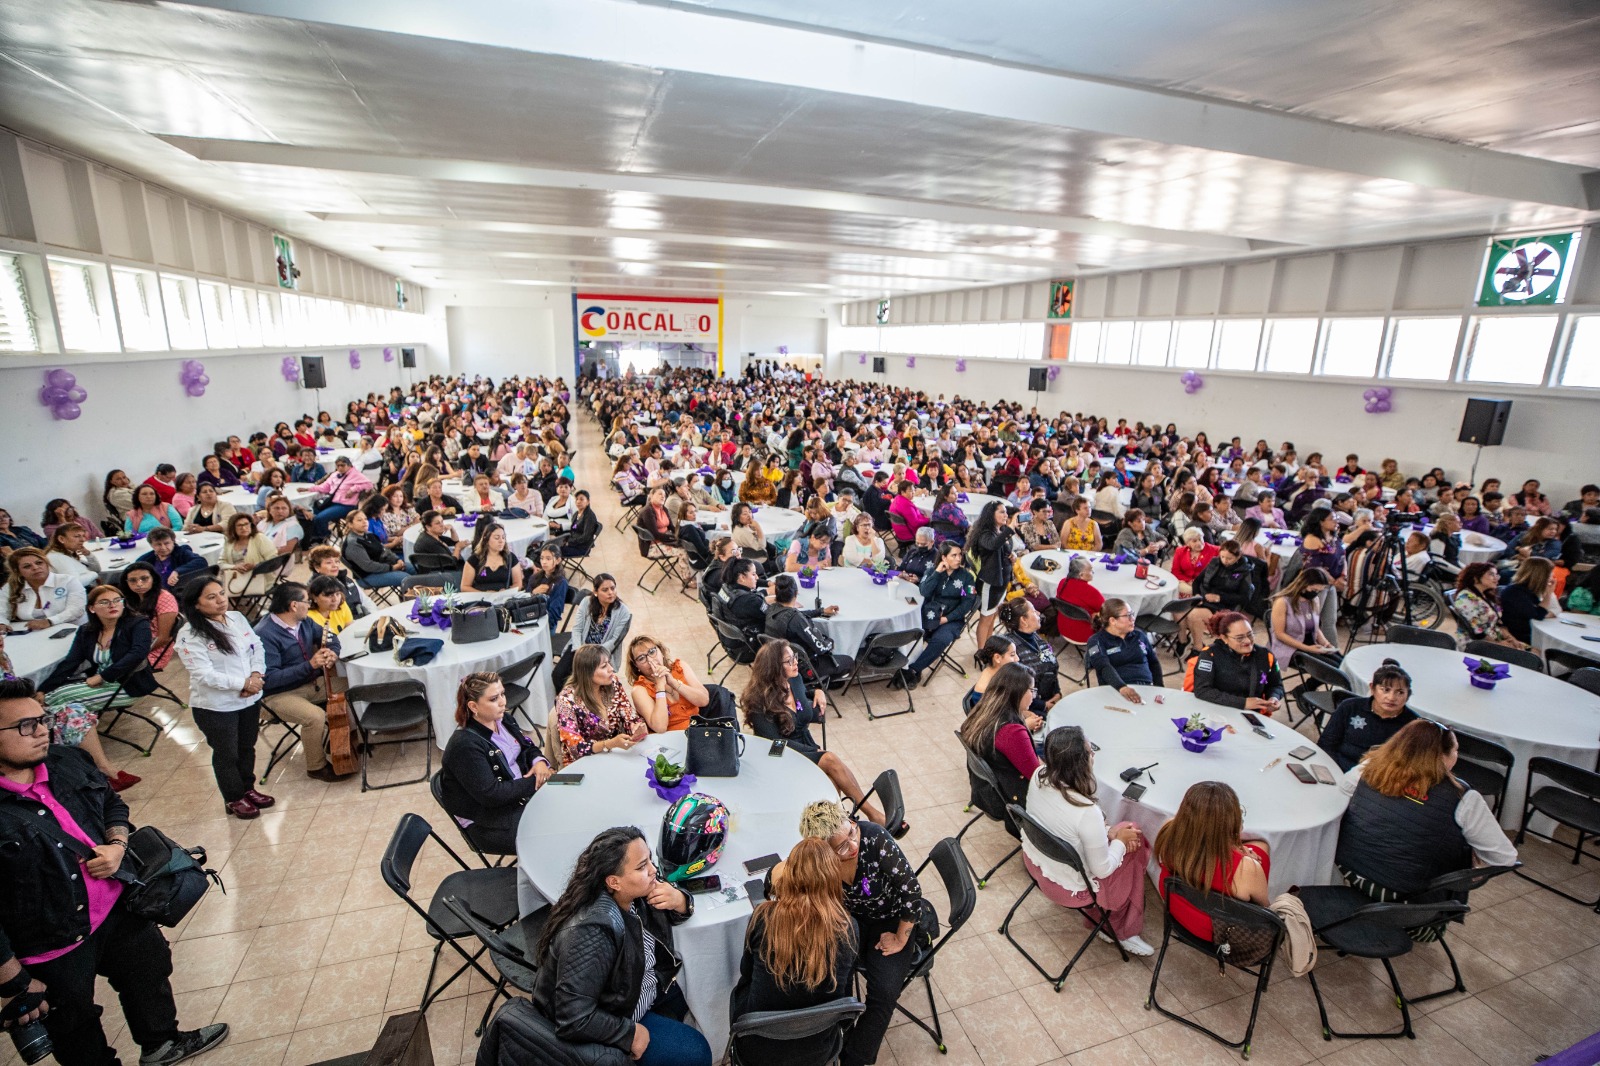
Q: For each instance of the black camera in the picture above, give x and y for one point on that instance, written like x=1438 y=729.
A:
x=1400 y=519
x=32 y=1042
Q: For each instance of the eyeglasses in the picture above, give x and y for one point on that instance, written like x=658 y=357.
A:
x=852 y=835
x=26 y=727
x=115 y=601
x=642 y=656
x=1242 y=638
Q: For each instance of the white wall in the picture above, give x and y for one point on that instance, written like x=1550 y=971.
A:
x=504 y=341
x=1554 y=438
x=137 y=415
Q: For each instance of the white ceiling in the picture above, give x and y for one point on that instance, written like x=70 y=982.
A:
x=833 y=150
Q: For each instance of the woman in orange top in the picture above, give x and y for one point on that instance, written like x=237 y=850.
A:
x=665 y=691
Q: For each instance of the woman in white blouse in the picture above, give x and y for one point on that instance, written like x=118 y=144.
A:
x=862 y=548
x=68 y=555
x=1061 y=798
x=39 y=596
x=227 y=672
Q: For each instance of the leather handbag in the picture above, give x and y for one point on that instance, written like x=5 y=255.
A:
x=523 y=609
x=474 y=624
x=715 y=746
x=385 y=634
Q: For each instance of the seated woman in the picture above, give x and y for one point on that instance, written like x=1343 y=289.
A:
x=523 y=498
x=1204 y=846
x=490 y=566
x=883 y=896
x=548 y=578
x=114 y=647
x=799 y=951
x=328 y=607
x=1000 y=731
x=905 y=518
x=1529 y=598
x=68 y=555
x=482 y=496
x=665 y=691
x=436 y=546
x=756 y=487
x=38 y=596
x=1120 y=653
x=1411 y=820
x=949 y=520
x=949 y=594
x=1477 y=606
x=1235 y=671
x=1022 y=624
x=1081 y=533
x=1039 y=531
x=594 y=982
x=593 y=714
x=280 y=526
x=150 y=513
x=184 y=489
x=776 y=707
x=490 y=769
x=811 y=549
x=1295 y=621
x=1077 y=588
x=1135 y=538
x=1061 y=797
x=144 y=596
x=209 y=514
x=60 y=512
x=863 y=548
x=1191 y=559
x=996 y=652
x=600 y=619
x=1266 y=511
x=1365 y=722
x=1226 y=584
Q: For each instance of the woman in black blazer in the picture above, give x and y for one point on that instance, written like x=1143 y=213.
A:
x=482 y=784
x=114 y=648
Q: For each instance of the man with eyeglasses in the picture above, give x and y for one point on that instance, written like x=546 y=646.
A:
x=296 y=654
x=61 y=921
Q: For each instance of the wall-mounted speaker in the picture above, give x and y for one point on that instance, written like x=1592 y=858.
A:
x=1484 y=422
x=312 y=375
x=878 y=366
x=408 y=358
x=1038 y=379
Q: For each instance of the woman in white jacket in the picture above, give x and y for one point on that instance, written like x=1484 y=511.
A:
x=39 y=596
x=227 y=671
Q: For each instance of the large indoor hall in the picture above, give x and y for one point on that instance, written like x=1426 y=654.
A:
x=590 y=532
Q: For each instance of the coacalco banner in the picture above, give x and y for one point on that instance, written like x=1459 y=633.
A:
x=669 y=319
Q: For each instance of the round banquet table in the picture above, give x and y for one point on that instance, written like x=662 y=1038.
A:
x=443 y=675
x=1299 y=822
x=864 y=608
x=1478 y=547
x=1120 y=583
x=34 y=655
x=1566 y=633
x=243 y=500
x=113 y=560
x=764 y=804
x=328 y=456
x=777 y=523
x=1528 y=713
x=1284 y=544
x=520 y=533
x=972 y=507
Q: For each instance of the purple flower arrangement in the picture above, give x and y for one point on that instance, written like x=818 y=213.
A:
x=671 y=793
x=1195 y=735
x=1486 y=673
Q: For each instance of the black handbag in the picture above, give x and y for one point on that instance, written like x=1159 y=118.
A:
x=715 y=745
x=385 y=634
x=474 y=624
x=523 y=609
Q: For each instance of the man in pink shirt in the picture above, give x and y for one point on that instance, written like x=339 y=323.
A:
x=344 y=487
x=62 y=917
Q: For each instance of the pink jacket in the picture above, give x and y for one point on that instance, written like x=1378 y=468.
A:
x=346 y=490
x=905 y=518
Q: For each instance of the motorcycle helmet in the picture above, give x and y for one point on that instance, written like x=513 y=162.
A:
x=693 y=831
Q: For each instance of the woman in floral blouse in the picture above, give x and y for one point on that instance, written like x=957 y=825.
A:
x=594 y=713
x=1477 y=605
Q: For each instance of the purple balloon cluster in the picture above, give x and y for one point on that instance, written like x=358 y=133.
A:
x=1192 y=382
x=355 y=359
x=388 y=355
x=783 y=349
x=290 y=369
x=194 y=378
x=1053 y=373
x=961 y=366
x=862 y=358
x=1377 y=400
x=911 y=362
x=62 y=395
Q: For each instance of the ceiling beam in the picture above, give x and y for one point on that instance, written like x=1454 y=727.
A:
x=615 y=31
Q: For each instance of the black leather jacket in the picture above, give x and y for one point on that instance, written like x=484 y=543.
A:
x=43 y=902
x=589 y=984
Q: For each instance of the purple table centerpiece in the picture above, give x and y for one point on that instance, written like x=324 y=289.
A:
x=1486 y=673
x=671 y=793
x=1196 y=739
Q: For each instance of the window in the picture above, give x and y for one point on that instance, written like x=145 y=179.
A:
x=1119 y=343
x=294 y=319
x=17 y=332
x=83 y=312
x=216 y=313
x=1085 y=342
x=246 y=331
x=1191 y=345
x=1512 y=349
x=1583 y=356
x=1290 y=345
x=1423 y=348
x=1350 y=347
x=144 y=327
x=267 y=319
x=1237 y=343
x=1151 y=347
x=181 y=298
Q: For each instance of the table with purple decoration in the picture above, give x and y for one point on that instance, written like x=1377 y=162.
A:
x=865 y=607
x=1529 y=713
x=521 y=533
x=972 y=506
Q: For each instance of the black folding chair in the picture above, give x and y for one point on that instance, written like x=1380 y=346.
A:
x=741 y=648
x=1484 y=765
x=1164 y=625
x=562 y=636
x=518 y=680
x=1255 y=924
x=490 y=893
x=893 y=649
x=1058 y=850
x=956 y=875
x=1515 y=656
x=436 y=789
x=990 y=801
x=1588 y=679
x=392 y=707
x=251 y=599
x=658 y=556
x=886 y=786
x=511 y=949
x=753 y=1039
x=1073 y=613
x=1572 y=799
x=1447 y=888
x=1318 y=703
x=287 y=741
x=107 y=726
x=1398 y=633
x=1569 y=662
x=162 y=692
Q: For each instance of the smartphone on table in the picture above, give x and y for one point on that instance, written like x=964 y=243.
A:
x=697 y=886
x=1304 y=776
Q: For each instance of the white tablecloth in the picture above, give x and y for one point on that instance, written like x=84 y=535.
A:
x=328 y=456
x=1299 y=822
x=34 y=655
x=1285 y=550
x=114 y=560
x=1119 y=584
x=1475 y=547
x=777 y=523
x=764 y=804
x=455 y=661
x=1528 y=713
x=972 y=508
x=244 y=499
x=864 y=608
x=520 y=533
x=1552 y=633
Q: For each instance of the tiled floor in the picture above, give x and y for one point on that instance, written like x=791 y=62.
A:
x=308 y=951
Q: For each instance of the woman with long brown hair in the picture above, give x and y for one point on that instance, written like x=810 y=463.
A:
x=799 y=950
x=998 y=730
x=593 y=713
x=1410 y=819
x=1204 y=845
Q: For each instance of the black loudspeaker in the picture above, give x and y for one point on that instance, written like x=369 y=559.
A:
x=1038 y=379
x=1484 y=424
x=408 y=358
x=877 y=364
x=312 y=375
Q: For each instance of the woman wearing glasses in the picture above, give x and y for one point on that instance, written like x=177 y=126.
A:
x=665 y=690
x=1234 y=671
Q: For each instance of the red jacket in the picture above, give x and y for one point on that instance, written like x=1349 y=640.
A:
x=1185 y=570
x=1079 y=594
x=164 y=490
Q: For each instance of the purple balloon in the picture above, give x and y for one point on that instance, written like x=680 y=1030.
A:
x=202 y=381
x=194 y=388
x=961 y=366
x=862 y=358
x=1370 y=394
x=61 y=379
x=50 y=396
x=1053 y=373
x=68 y=411
x=76 y=394
x=1382 y=393
x=911 y=362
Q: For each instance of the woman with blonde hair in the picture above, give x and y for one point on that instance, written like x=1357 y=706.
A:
x=799 y=950
x=1204 y=846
